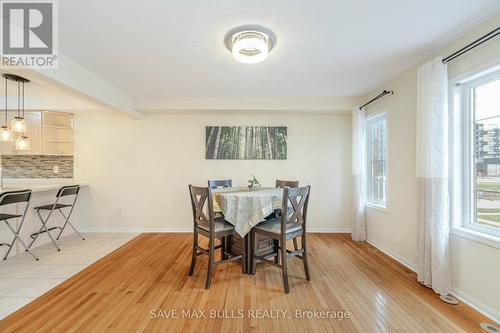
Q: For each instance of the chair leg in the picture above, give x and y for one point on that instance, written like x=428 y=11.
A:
x=193 y=256
x=244 y=246
x=295 y=245
x=223 y=248
x=210 y=263
x=284 y=268
x=304 y=257
x=277 y=251
x=254 y=250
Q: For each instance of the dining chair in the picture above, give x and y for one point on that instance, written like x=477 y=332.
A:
x=283 y=228
x=289 y=184
x=207 y=225
x=213 y=184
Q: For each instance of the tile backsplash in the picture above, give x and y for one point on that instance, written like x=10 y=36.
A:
x=37 y=166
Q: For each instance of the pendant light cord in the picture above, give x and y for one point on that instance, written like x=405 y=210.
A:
x=18 y=99
x=23 y=99
x=6 y=120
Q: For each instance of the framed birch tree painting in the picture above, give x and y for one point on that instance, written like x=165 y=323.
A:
x=245 y=143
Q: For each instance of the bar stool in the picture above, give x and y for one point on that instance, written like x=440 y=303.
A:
x=63 y=192
x=14 y=197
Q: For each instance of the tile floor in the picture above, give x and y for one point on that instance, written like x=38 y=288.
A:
x=22 y=279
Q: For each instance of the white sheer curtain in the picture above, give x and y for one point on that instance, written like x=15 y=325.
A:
x=359 y=175
x=433 y=266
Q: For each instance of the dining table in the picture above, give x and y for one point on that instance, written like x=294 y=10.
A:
x=244 y=208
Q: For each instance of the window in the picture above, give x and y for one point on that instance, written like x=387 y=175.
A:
x=376 y=153
x=479 y=98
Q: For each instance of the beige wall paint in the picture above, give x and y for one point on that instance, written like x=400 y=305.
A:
x=475 y=266
x=139 y=170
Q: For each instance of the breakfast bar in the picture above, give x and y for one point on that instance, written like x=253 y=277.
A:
x=43 y=193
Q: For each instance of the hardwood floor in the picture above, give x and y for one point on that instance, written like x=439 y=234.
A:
x=125 y=291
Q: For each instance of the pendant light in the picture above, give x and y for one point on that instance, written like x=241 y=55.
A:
x=5 y=132
x=22 y=142
x=18 y=123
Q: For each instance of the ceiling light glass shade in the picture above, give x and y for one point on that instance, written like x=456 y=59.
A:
x=250 y=47
x=18 y=124
x=5 y=133
x=23 y=143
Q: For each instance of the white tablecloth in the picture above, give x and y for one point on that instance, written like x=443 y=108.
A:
x=244 y=208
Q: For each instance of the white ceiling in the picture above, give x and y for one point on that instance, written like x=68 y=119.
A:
x=324 y=48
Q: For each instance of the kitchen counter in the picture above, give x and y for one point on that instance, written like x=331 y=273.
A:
x=38 y=185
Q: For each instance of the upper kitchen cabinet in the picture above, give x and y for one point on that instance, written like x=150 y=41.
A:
x=33 y=132
x=57 y=133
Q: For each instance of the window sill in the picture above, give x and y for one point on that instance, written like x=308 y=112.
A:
x=476 y=236
x=380 y=208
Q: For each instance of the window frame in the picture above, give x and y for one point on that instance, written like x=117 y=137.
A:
x=378 y=205
x=462 y=169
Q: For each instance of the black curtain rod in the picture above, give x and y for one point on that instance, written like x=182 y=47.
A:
x=382 y=94
x=472 y=45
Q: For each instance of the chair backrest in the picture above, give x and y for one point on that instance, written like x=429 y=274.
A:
x=68 y=190
x=287 y=183
x=11 y=197
x=213 y=184
x=296 y=213
x=201 y=203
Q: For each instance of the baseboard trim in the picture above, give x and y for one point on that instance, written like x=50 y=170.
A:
x=185 y=230
x=403 y=261
x=330 y=230
x=477 y=305
x=138 y=230
x=465 y=298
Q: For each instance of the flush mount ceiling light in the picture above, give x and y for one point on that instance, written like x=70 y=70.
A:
x=249 y=46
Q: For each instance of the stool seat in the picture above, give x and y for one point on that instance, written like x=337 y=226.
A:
x=49 y=207
x=8 y=216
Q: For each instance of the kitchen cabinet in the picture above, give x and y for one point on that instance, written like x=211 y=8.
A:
x=49 y=132
x=57 y=133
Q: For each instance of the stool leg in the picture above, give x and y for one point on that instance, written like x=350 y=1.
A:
x=36 y=236
x=16 y=236
x=68 y=222
x=47 y=230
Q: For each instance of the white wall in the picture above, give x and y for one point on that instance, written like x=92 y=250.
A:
x=475 y=266
x=139 y=170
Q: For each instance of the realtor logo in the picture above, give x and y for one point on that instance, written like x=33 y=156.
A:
x=29 y=34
